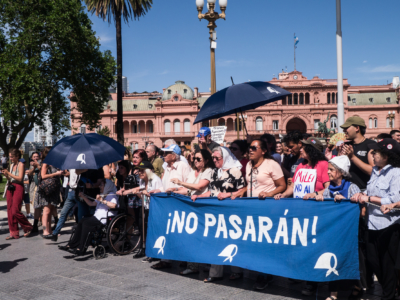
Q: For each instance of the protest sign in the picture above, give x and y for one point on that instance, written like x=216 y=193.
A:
x=304 y=182
x=306 y=240
x=218 y=134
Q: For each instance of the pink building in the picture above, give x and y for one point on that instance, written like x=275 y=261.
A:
x=156 y=117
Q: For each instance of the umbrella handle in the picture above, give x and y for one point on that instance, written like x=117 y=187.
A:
x=244 y=123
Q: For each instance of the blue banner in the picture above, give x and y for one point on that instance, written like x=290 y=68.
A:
x=294 y=238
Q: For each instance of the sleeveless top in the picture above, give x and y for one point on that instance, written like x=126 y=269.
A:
x=16 y=173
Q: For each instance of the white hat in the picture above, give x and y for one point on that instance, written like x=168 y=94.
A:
x=342 y=162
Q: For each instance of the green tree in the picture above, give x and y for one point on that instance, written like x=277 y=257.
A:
x=108 y=9
x=104 y=131
x=47 y=48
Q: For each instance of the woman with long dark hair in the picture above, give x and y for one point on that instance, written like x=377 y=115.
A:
x=14 y=196
x=239 y=149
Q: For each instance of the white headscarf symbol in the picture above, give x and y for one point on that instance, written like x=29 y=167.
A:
x=229 y=161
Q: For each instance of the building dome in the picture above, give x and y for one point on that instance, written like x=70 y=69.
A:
x=178 y=88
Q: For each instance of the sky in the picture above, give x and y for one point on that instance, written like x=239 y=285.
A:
x=255 y=42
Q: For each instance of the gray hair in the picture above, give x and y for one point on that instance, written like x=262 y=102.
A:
x=218 y=149
x=169 y=142
x=152 y=147
x=344 y=173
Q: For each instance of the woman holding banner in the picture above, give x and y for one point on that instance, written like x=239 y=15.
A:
x=226 y=182
x=310 y=179
x=383 y=189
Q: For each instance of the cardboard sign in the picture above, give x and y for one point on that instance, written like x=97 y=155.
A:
x=304 y=182
x=218 y=134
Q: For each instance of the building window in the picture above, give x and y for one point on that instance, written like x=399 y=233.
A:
x=136 y=146
x=316 y=124
x=150 y=105
x=169 y=92
x=348 y=98
x=371 y=100
x=176 y=98
x=134 y=128
x=388 y=100
x=167 y=126
x=134 y=106
x=185 y=91
x=259 y=123
x=387 y=122
x=333 y=98
x=370 y=123
x=150 y=127
x=329 y=98
x=333 y=122
x=301 y=98
x=354 y=100
x=296 y=97
x=177 y=126
x=290 y=100
x=275 y=125
x=186 y=125
x=375 y=123
x=83 y=128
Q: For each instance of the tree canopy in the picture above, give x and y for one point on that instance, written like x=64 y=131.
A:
x=47 y=48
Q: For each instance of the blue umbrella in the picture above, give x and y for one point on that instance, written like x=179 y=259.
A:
x=238 y=98
x=84 y=151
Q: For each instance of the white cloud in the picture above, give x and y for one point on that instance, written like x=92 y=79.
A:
x=106 y=38
x=381 y=69
x=164 y=72
x=364 y=62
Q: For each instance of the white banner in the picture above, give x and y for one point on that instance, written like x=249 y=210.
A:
x=304 y=182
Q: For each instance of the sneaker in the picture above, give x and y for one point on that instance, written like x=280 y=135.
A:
x=262 y=282
x=309 y=290
x=29 y=216
x=146 y=259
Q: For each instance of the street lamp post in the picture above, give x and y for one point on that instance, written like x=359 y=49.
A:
x=391 y=117
x=212 y=16
x=145 y=139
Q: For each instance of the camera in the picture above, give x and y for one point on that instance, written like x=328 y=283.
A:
x=11 y=188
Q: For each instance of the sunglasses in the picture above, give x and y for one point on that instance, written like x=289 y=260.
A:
x=216 y=158
x=253 y=148
x=233 y=148
x=198 y=159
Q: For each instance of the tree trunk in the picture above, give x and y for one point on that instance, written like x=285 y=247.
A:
x=120 y=124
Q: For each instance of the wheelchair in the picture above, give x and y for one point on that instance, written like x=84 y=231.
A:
x=117 y=232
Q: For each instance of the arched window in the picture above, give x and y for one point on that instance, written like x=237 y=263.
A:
x=221 y=122
x=290 y=102
x=333 y=122
x=134 y=127
x=136 y=146
x=177 y=126
x=167 y=126
x=328 y=98
x=301 y=98
x=259 y=124
x=375 y=123
x=205 y=124
x=83 y=128
x=333 y=98
x=186 y=125
x=150 y=128
x=370 y=123
x=296 y=98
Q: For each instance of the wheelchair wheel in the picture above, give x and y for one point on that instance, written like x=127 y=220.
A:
x=119 y=235
x=99 y=252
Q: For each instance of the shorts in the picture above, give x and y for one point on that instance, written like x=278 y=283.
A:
x=26 y=198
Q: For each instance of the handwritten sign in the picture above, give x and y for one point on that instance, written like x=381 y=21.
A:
x=304 y=182
x=218 y=134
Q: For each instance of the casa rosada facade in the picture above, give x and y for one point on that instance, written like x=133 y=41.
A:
x=152 y=118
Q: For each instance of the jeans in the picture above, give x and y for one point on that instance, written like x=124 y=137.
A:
x=68 y=206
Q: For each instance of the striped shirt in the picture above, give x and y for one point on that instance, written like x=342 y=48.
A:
x=386 y=185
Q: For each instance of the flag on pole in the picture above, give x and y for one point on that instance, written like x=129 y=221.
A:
x=296 y=40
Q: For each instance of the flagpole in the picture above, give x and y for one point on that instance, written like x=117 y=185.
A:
x=294 y=49
x=339 y=53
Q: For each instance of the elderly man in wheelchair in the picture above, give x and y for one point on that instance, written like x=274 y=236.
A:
x=106 y=205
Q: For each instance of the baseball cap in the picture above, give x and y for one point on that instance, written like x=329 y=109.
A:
x=313 y=141
x=357 y=121
x=386 y=144
x=145 y=165
x=204 y=131
x=172 y=148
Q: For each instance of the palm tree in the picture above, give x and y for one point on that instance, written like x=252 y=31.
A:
x=128 y=9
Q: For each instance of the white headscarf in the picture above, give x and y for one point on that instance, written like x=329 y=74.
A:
x=109 y=188
x=229 y=161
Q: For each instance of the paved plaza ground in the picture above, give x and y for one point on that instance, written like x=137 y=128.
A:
x=33 y=268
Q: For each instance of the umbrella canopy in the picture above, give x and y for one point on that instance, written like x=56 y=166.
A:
x=238 y=98
x=84 y=151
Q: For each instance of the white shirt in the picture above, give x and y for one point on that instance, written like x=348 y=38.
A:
x=72 y=179
x=178 y=170
x=206 y=174
x=102 y=209
x=3 y=160
x=154 y=184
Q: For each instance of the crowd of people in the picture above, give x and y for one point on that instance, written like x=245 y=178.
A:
x=354 y=167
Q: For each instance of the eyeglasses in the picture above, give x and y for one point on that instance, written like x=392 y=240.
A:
x=233 y=148
x=198 y=159
x=216 y=158
x=373 y=152
x=254 y=148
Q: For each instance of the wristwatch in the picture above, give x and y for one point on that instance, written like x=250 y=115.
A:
x=369 y=199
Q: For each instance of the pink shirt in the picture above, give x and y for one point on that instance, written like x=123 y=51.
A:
x=322 y=173
x=263 y=181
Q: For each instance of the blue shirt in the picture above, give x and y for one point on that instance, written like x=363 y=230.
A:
x=386 y=185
